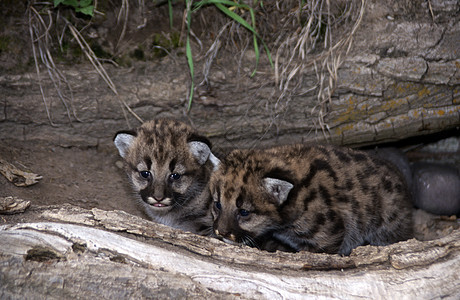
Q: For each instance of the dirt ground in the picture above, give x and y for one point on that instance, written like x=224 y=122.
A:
x=83 y=177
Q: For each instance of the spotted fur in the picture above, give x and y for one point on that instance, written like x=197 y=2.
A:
x=314 y=198
x=169 y=166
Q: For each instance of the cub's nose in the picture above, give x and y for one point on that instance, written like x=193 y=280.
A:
x=158 y=199
x=158 y=196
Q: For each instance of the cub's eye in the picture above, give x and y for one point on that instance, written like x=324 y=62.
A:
x=218 y=205
x=174 y=176
x=145 y=174
x=244 y=213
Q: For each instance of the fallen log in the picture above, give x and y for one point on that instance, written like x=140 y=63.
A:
x=399 y=79
x=70 y=251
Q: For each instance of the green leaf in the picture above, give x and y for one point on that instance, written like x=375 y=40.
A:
x=85 y=3
x=256 y=46
x=235 y=17
x=57 y=2
x=224 y=5
x=88 y=10
x=73 y=3
x=188 y=54
x=243 y=22
x=82 y=6
x=224 y=2
x=170 y=9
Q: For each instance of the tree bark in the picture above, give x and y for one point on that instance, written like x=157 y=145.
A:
x=400 y=79
x=72 y=252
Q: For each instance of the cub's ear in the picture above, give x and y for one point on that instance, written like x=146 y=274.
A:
x=200 y=147
x=123 y=141
x=278 y=188
x=202 y=153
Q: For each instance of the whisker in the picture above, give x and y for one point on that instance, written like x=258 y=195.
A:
x=249 y=241
x=208 y=231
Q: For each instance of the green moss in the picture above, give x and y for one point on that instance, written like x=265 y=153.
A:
x=124 y=61
x=138 y=54
x=4 y=43
x=68 y=53
x=100 y=52
x=76 y=52
x=159 y=45
x=162 y=44
x=175 y=40
x=319 y=30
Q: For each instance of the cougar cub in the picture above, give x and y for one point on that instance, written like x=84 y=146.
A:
x=169 y=166
x=314 y=198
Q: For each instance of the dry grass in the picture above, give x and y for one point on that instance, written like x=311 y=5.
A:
x=305 y=38
x=39 y=31
x=318 y=46
x=41 y=21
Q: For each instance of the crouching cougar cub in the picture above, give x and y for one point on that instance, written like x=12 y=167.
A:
x=169 y=166
x=314 y=198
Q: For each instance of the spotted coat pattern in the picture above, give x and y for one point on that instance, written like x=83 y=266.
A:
x=315 y=198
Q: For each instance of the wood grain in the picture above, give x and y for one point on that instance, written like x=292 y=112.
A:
x=73 y=251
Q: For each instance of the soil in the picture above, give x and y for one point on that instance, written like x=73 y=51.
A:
x=83 y=177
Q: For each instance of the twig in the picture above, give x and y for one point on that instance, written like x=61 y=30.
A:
x=124 y=8
x=212 y=53
x=431 y=10
x=37 y=68
x=98 y=66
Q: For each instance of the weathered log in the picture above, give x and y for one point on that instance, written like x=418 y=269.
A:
x=69 y=251
x=400 y=79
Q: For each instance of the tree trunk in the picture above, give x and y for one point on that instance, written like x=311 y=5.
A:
x=72 y=252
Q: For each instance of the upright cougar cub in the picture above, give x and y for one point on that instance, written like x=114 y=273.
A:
x=314 y=198
x=169 y=166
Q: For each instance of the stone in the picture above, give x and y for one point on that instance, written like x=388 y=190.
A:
x=436 y=188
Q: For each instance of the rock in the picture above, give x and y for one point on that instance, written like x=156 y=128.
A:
x=436 y=188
